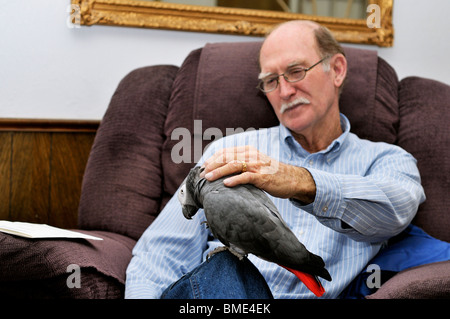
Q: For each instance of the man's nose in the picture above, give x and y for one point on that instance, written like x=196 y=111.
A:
x=286 y=89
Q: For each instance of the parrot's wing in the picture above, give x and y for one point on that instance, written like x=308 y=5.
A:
x=265 y=200
x=249 y=220
x=239 y=217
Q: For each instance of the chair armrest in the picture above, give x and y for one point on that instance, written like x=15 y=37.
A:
x=430 y=281
x=38 y=268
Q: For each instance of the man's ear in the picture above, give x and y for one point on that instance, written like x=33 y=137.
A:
x=339 y=68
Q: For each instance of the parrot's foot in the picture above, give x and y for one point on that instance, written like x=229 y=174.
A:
x=224 y=248
x=237 y=254
x=215 y=251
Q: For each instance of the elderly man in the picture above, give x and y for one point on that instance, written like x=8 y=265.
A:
x=342 y=196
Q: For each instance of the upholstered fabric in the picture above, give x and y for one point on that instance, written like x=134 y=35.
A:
x=37 y=268
x=425 y=132
x=179 y=115
x=369 y=98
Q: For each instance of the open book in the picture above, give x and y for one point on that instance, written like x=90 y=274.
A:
x=30 y=230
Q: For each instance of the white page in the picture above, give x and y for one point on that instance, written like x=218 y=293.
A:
x=30 y=230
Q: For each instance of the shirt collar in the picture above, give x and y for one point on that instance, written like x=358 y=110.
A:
x=331 y=151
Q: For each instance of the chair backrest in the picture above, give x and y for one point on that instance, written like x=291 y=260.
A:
x=217 y=85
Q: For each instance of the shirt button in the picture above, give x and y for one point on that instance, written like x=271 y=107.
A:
x=311 y=162
x=324 y=209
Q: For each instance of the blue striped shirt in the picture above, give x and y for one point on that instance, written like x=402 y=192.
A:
x=366 y=193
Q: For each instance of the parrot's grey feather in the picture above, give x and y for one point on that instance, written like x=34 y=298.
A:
x=244 y=219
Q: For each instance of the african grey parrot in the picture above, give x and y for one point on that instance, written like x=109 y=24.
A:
x=246 y=221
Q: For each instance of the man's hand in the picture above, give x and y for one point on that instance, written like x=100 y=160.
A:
x=276 y=178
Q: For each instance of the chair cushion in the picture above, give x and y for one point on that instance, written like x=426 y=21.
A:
x=425 y=133
x=38 y=268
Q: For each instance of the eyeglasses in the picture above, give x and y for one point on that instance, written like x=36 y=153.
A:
x=293 y=74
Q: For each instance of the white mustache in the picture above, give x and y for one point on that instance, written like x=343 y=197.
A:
x=300 y=100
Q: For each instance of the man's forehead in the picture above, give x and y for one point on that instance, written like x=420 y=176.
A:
x=297 y=37
x=286 y=55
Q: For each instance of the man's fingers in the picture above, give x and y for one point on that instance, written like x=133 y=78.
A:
x=231 y=155
x=244 y=178
x=232 y=167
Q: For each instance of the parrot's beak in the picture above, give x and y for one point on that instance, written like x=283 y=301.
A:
x=189 y=211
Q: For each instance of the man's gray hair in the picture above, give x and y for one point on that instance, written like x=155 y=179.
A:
x=327 y=44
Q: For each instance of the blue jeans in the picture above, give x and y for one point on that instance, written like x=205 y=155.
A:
x=223 y=276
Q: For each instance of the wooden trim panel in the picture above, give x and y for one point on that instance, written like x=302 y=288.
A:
x=48 y=125
x=42 y=163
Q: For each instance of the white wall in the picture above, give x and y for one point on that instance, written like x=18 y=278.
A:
x=48 y=70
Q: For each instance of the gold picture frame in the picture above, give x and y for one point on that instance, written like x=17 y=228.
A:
x=170 y=16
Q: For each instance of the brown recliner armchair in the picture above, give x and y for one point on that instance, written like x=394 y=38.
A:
x=130 y=174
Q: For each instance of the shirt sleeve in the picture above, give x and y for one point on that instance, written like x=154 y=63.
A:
x=372 y=207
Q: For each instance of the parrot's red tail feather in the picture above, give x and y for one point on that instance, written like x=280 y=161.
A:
x=310 y=281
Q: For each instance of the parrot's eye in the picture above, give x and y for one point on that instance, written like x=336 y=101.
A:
x=182 y=191
x=182 y=195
